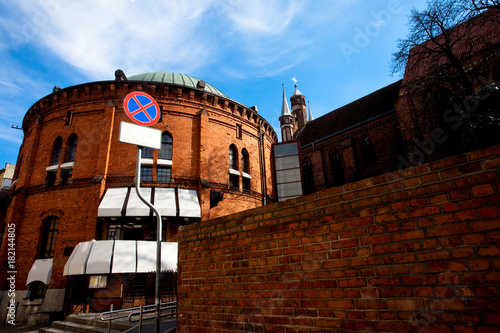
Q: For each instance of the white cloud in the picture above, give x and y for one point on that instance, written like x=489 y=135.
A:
x=262 y=17
x=99 y=37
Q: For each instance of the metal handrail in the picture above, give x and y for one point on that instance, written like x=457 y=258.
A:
x=138 y=313
x=146 y=309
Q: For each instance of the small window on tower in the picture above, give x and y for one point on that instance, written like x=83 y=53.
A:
x=238 y=131
x=69 y=118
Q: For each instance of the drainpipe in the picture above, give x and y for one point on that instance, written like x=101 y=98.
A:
x=262 y=164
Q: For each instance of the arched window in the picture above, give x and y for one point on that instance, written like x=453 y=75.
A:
x=233 y=157
x=49 y=236
x=244 y=161
x=307 y=174
x=245 y=170
x=337 y=168
x=36 y=290
x=368 y=150
x=56 y=151
x=71 y=148
x=69 y=158
x=166 y=147
x=234 y=174
x=54 y=162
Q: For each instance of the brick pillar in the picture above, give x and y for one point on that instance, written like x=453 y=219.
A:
x=204 y=164
x=349 y=161
x=105 y=146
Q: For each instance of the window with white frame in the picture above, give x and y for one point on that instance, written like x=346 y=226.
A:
x=157 y=166
x=245 y=170
x=234 y=174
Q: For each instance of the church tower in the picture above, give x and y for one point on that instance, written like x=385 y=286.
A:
x=286 y=120
x=299 y=109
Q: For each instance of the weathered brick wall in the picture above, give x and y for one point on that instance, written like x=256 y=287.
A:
x=414 y=250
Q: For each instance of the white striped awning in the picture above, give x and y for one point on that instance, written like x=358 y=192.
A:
x=124 y=201
x=188 y=203
x=120 y=256
x=40 y=271
x=125 y=257
x=99 y=259
x=77 y=262
x=135 y=206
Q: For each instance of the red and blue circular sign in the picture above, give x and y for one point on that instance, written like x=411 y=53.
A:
x=141 y=108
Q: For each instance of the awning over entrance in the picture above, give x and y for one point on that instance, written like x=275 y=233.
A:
x=40 y=271
x=119 y=256
x=124 y=201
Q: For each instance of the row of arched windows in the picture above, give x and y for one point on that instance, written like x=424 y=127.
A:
x=70 y=152
x=162 y=172
x=337 y=167
x=234 y=168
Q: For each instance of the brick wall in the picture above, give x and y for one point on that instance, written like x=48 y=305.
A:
x=414 y=250
x=383 y=132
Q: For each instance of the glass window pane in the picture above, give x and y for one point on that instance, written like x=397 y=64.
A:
x=233 y=160
x=287 y=149
x=289 y=162
x=164 y=174
x=146 y=152
x=71 y=148
x=287 y=176
x=244 y=161
x=146 y=173
x=49 y=237
x=57 y=151
x=166 y=147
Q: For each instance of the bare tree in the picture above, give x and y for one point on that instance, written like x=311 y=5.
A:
x=443 y=39
x=482 y=4
x=449 y=55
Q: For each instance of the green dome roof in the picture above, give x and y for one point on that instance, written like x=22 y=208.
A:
x=175 y=78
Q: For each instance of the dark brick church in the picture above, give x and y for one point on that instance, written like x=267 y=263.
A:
x=407 y=123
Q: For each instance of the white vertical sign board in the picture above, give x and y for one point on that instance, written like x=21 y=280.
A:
x=139 y=135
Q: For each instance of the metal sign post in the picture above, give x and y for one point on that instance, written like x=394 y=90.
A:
x=158 y=238
x=143 y=110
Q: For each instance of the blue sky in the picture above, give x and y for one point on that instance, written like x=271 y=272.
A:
x=338 y=51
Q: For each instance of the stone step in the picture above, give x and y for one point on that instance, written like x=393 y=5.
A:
x=94 y=320
x=80 y=328
x=52 y=330
x=82 y=325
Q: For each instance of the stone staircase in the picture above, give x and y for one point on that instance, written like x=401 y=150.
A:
x=89 y=323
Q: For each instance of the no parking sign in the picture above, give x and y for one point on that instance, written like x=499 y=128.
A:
x=141 y=108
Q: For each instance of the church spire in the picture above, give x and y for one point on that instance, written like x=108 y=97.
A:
x=311 y=118
x=286 y=120
x=285 y=110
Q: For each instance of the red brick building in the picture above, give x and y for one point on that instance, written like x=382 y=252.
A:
x=74 y=179
x=74 y=183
